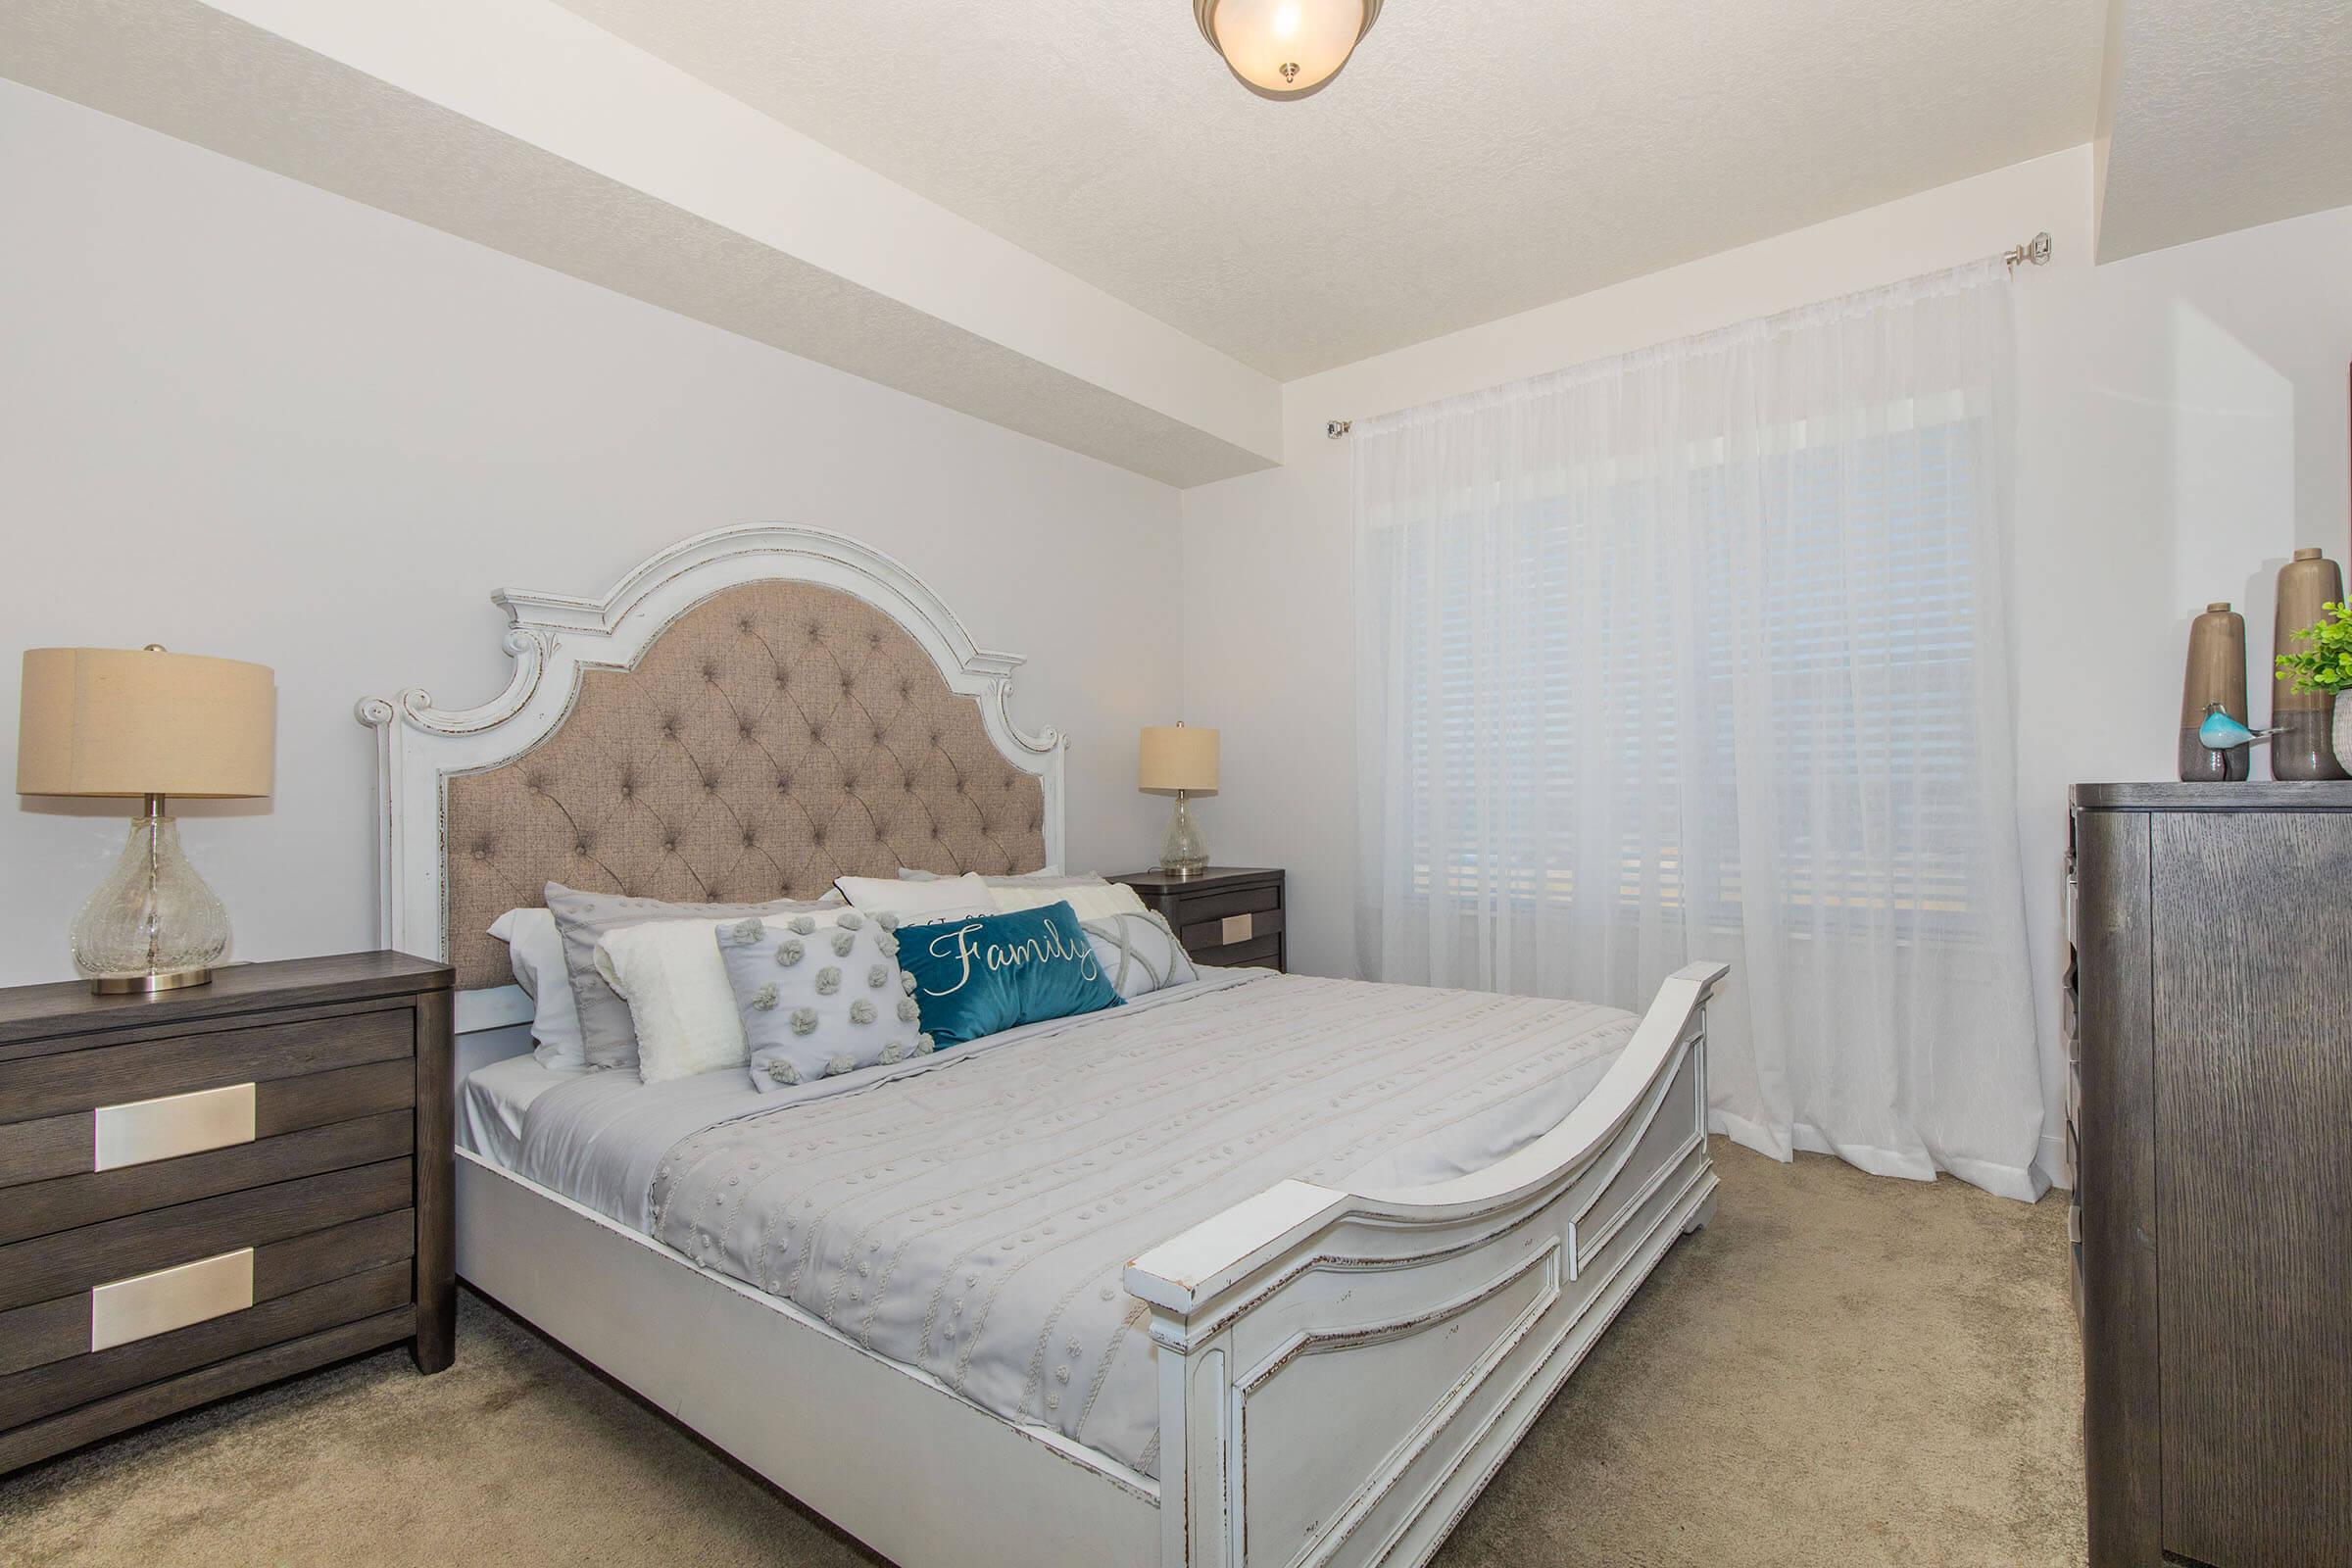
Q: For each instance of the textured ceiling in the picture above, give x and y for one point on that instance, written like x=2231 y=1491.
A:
x=2223 y=114
x=1474 y=159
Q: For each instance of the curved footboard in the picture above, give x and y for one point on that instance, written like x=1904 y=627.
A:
x=1340 y=1372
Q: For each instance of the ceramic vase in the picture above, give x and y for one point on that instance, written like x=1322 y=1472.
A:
x=2217 y=673
x=2303 y=748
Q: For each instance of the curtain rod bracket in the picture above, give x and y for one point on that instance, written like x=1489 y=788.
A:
x=1337 y=428
x=2035 y=250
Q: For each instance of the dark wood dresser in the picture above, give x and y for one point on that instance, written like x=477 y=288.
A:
x=212 y=1189
x=2210 y=1118
x=1229 y=915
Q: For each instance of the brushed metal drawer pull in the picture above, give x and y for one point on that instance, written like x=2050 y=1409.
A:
x=1237 y=928
x=148 y=1305
x=173 y=1125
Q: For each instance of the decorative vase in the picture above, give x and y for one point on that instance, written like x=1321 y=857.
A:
x=2303 y=748
x=2217 y=673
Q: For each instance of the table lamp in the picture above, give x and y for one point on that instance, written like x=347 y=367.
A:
x=1183 y=762
x=147 y=724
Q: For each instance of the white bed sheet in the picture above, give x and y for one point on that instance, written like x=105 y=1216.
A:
x=970 y=1215
x=491 y=1107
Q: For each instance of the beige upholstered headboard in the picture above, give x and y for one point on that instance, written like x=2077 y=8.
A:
x=750 y=715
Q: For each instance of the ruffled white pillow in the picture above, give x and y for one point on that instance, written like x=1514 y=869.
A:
x=671 y=976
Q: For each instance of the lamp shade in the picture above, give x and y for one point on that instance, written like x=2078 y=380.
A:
x=143 y=722
x=1175 y=756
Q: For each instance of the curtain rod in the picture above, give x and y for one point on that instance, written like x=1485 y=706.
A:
x=2034 y=252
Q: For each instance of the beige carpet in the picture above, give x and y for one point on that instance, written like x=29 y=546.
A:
x=1840 y=1370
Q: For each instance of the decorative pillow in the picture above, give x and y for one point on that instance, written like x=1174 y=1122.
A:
x=606 y=1037
x=975 y=976
x=1140 y=953
x=535 y=950
x=670 y=974
x=913 y=902
x=819 y=995
x=1090 y=895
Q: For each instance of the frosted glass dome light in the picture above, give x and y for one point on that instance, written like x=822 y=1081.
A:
x=1285 y=48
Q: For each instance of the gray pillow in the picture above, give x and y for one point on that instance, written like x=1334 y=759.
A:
x=1139 y=954
x=821 y=994
x=607 y=1036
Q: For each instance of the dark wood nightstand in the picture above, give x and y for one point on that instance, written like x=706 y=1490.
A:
x=1229 y=915
x=207 y=1189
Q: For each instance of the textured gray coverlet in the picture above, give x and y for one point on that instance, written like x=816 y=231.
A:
x=974 y=1221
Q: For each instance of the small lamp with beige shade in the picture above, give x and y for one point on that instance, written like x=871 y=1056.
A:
x=1179 y=761
x=146 y=724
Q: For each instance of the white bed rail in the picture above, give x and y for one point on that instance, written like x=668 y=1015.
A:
x=1301 y=1331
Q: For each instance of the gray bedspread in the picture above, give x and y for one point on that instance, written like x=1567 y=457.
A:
x=972 y=1219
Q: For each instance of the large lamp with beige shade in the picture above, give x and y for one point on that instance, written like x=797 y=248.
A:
x=1179 y=761
x=146 y=724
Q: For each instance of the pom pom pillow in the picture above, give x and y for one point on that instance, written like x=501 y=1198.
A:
x=975 y=976
x=819 y=995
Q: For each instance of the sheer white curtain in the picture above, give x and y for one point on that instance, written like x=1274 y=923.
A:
x=1698 y=653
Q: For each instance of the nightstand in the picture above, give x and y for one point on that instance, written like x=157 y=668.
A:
x=1229 y=915
x=207 y=1189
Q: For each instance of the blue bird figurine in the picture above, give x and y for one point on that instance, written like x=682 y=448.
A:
x=2222 y=733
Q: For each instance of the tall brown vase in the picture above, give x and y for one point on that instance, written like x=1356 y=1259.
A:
x=2217 y=673
x=2304 y=747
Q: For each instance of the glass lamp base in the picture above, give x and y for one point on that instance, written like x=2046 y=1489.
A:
x=153 y=925
x=1182 y=853
x=119 y=985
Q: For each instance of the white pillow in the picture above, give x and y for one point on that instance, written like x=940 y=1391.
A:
x=671 y=976
x=535 y=949
x=1093 y=900
x=908 y=873
x=949 y=898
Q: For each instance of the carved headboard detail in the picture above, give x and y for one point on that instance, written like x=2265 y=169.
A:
x=750 y=715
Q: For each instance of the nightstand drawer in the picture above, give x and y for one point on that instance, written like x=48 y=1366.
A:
x=65 y=1262
x=1263 y=953
x=1192 y=909
x=62 y=1330
x=73 y=1144
x=1202 y=937
x=78 y=1082
x=36 y=1208
x=364 y=1281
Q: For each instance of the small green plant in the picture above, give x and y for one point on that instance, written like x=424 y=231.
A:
x=2324 y=663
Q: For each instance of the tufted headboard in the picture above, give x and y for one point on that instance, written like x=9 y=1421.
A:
x=749 y=715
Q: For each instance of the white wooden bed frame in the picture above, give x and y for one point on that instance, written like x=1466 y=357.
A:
x=1340 y=1372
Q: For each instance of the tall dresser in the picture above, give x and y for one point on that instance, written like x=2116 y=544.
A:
x=2210 y=1119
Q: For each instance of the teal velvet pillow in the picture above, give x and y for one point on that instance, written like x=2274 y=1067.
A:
x=985 y=972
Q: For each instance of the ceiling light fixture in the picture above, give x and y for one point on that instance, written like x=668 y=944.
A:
x=1285 y=48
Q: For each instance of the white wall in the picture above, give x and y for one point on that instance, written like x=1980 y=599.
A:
x=242 y=416
x=2182 y=428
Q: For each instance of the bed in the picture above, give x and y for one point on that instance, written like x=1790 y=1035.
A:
x=1262 y=1269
